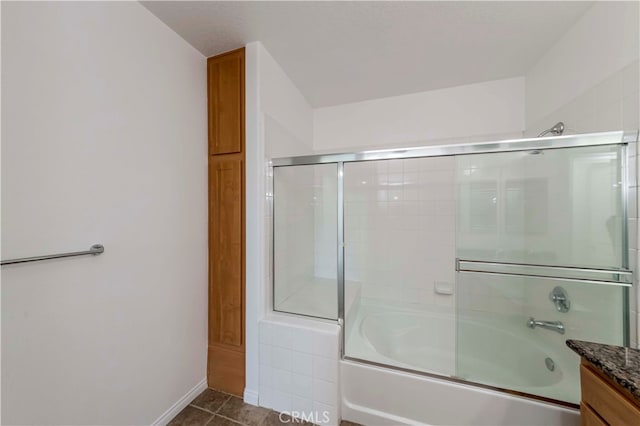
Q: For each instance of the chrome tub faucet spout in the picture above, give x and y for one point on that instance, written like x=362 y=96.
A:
x=556 y=326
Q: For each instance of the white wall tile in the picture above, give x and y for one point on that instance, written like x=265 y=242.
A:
x=287 y=380
x=325 y=345
x=281 y=358
x=302 y=406
x=281 y=380
x=282 y=337
x=325 y=369
x=631 y=111
x=302 y=363
x=281 y=401
x=301 y=386
x=265 y=355
x=265 y=397
x=266 y=332
x=302 y=340
x=324 y=392
x=266 y=376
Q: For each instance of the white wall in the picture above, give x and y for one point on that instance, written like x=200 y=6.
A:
x=602 y=42
x=104 y=141
x=491 y=108
x=279 y=122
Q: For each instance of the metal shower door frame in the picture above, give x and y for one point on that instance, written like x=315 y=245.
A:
x=627 y=140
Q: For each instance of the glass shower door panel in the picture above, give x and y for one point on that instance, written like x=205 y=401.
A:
x=496 y=345
x=305 y=240
x=399 y=218
x=545 y=207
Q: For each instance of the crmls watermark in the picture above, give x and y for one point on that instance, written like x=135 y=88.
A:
x=300 y=416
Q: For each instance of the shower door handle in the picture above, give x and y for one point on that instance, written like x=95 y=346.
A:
x=548 y=272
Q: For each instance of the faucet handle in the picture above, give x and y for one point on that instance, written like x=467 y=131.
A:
x=560 y=299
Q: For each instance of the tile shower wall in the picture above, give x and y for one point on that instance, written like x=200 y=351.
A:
x=299 y=369
x=399 y=229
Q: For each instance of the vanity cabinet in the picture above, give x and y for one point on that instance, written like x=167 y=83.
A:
x=605 y=402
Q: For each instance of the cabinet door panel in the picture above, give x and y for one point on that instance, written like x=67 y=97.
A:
x=226 y=102
x=226 y=250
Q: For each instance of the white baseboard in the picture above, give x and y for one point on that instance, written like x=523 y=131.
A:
x=181 y=403
x=250 y=396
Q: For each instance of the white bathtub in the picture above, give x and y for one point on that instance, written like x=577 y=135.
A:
x=491 y=355
x=501 y=355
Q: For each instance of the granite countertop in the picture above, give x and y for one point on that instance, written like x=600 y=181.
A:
x=620 y=364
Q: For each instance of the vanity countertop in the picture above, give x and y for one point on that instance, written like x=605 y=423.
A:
x=620 y=364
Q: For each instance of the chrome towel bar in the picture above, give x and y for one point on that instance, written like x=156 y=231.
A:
x=620 y=273
x=94 y=249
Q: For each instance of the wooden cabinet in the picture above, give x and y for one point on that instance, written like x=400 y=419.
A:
x=603 y=401
x=225 y=74
x=226 y=260
x=226 y=357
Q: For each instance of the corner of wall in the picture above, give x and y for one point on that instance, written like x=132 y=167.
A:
x=254 y=282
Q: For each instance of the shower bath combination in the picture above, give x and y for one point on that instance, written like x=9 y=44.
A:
x=370 y=239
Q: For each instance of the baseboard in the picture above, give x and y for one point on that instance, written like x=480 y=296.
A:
x=166 y=417
x=250 y=396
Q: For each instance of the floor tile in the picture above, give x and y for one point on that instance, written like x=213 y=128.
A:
x=237 y=410
x=191 y=416
x=210 y=400
x=221 y=421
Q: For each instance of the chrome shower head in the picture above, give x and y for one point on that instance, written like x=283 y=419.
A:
x=556 y=130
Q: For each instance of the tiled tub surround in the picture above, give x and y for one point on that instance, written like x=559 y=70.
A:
x=393 y=209
x=299 y=367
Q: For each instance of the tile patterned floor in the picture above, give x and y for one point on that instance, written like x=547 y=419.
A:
x=215 y=408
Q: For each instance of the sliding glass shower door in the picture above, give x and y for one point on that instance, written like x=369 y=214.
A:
x=541 y=248
x=473 y=262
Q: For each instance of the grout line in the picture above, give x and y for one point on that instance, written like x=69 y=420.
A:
x=223 y=404
x=234 y=421
x=202 y=409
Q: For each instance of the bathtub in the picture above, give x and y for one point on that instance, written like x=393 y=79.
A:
x=494 y=354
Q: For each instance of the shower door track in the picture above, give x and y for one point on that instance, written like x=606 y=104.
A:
x=461 y=381
x=512 y=145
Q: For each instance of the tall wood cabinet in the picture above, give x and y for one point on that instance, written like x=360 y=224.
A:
x=226 y=352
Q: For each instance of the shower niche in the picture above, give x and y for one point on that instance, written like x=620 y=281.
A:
x=446 y=261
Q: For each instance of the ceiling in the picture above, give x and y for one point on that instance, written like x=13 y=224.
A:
x=341 y=52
